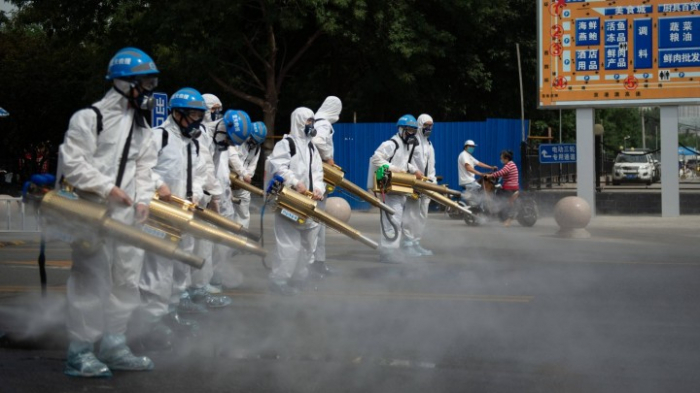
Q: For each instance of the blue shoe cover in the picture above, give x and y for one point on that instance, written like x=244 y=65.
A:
x=117 y=356
x=81 y=362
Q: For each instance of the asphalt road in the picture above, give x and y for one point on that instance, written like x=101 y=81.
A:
x=495 y=310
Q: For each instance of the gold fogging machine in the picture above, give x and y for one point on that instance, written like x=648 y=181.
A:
x=408 y=184
x=168 y=219
x=237 y=182
x=66 y=210
x=300 y=207
x=334 y=176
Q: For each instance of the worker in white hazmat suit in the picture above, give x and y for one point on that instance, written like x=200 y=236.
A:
x=415 y=213
x=233 y=130
x=106 y=151
x=327 y=115
x=243 y=160
x=215 y=109
x=298 y=162
x=395 y=155
x=198 y=279
x=180 y=171
x=202 y=247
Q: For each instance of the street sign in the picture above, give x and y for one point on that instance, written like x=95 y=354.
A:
x=160 y=110
x=561 y=153
x=618 y=53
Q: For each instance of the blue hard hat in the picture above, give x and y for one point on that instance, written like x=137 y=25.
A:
x=407 y=121
x=259 y=132
x=238 y=125
x=130 y=62
x=187 y=98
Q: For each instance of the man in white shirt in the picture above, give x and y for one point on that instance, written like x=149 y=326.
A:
x=467 y=167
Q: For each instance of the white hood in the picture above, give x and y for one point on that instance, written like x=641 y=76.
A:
x=422 y=119
x=210 y=100
x=330 y=109
x=299 y=118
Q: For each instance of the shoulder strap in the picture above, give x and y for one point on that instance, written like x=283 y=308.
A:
x=196 y=146
x=125 y=156
x=164 y=139
x=100 y=125
x=292 y=146
x=395 y=150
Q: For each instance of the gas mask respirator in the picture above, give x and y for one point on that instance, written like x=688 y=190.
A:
x=410 y=139
x=309 y=131
x=192 y=129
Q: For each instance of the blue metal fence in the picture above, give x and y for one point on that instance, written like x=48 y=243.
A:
x=355 y=144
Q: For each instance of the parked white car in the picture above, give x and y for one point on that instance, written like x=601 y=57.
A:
x=635 y=166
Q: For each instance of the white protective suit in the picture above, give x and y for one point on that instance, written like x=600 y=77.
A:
x=295 y=242
x=103 y=287
x=210 y=100
x=415 y=213
x=231 y=276
x=327 y=115
x=161 y=278
x=243 y=161
x=199 y=278
x=396 y=154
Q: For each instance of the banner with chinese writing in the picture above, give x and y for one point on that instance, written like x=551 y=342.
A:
x=618 y=53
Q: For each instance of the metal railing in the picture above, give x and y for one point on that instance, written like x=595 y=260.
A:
x=27 y=220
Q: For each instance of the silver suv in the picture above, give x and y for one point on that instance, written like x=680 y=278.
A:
x=635 y=166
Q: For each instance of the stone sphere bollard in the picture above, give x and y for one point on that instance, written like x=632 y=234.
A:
x=338 y=208
x=572 y=214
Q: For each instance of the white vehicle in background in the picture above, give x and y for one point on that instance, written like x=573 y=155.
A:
x=635 y=166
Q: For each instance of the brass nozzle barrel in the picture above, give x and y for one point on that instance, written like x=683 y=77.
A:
x=445 y=201
x=334 y=175
x=212 y=217
x=366 y=196
x=424 y=185
x=224 y=223
x=136 y=238
x=298 y=202
x=237 y=182
x=184 y=221
x=96 y=217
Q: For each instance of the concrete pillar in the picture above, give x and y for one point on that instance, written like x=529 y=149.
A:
x=585 y=156
x=670 y=197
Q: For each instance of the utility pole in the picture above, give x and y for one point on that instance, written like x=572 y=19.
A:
x=644 y=134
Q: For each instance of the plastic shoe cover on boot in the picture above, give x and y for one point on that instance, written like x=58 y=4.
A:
x=81 y=362
x=187 y=306
x=283 y=289
x=322 y=268
x=201 y=296
x=159 y=338
x=117 y=356
x=422 y=251
x=180 y=324
x=214 y=290
x=409 y=250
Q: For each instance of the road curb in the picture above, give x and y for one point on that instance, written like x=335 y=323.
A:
x=12 y=243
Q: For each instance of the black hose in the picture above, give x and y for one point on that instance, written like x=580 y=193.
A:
x=266 y=201
x=42 y=265
x=381 y=222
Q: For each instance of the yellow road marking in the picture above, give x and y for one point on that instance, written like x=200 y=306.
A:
x=34 y=263
x=404 y=296
x=36 y=288
x=36 y=250
x=367 y=295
